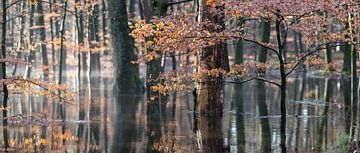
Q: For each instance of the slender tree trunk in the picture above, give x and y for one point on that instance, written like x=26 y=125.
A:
x=104 y=26
x=355 y=92
x=126 y=74
x=53 y=54
x=3 y=75
x=302 y=50
x=62 y=37
x=282 y=87
x=21 y=43
x=94 y=67
x=58 y=30
x=80 y=34
x=42 y=32
x=31 y=55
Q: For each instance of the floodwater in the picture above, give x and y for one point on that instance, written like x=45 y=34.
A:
x=318 y=120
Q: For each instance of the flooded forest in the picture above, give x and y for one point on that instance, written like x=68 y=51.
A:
x=180 y=76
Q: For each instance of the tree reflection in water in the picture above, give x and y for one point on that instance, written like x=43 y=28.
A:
x=104 y=121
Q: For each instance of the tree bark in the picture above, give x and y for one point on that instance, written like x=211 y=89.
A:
x=126 y=74
x=209 y=89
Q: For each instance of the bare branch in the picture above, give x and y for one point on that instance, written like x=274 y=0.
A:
x=312 y=52
x=260 y=44
x=255 y=78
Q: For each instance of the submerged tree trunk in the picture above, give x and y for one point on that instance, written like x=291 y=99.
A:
x=126 y=74
x=44 y=55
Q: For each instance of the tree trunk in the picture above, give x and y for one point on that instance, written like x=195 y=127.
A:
x=80 y=34
x=3 y=77
x=282 y=87
x=265 y=38
x=42 y=32
x=94 y=67
x=346 y=87
x=347 y=55
x=154 y=67
x=239 y=52
x=126 y=74
x=21 y=43
x=104 y=26
x=225 y=57
x=354 y=86
x=62 y=47
x=211 y=134
x=209 y=89
x=31 y=55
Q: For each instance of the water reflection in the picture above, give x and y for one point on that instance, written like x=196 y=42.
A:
x=124 y=124
x=265 y=144
x=319 y=112
x=238 y=98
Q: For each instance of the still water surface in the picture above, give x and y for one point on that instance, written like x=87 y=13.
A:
x=318 y=117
